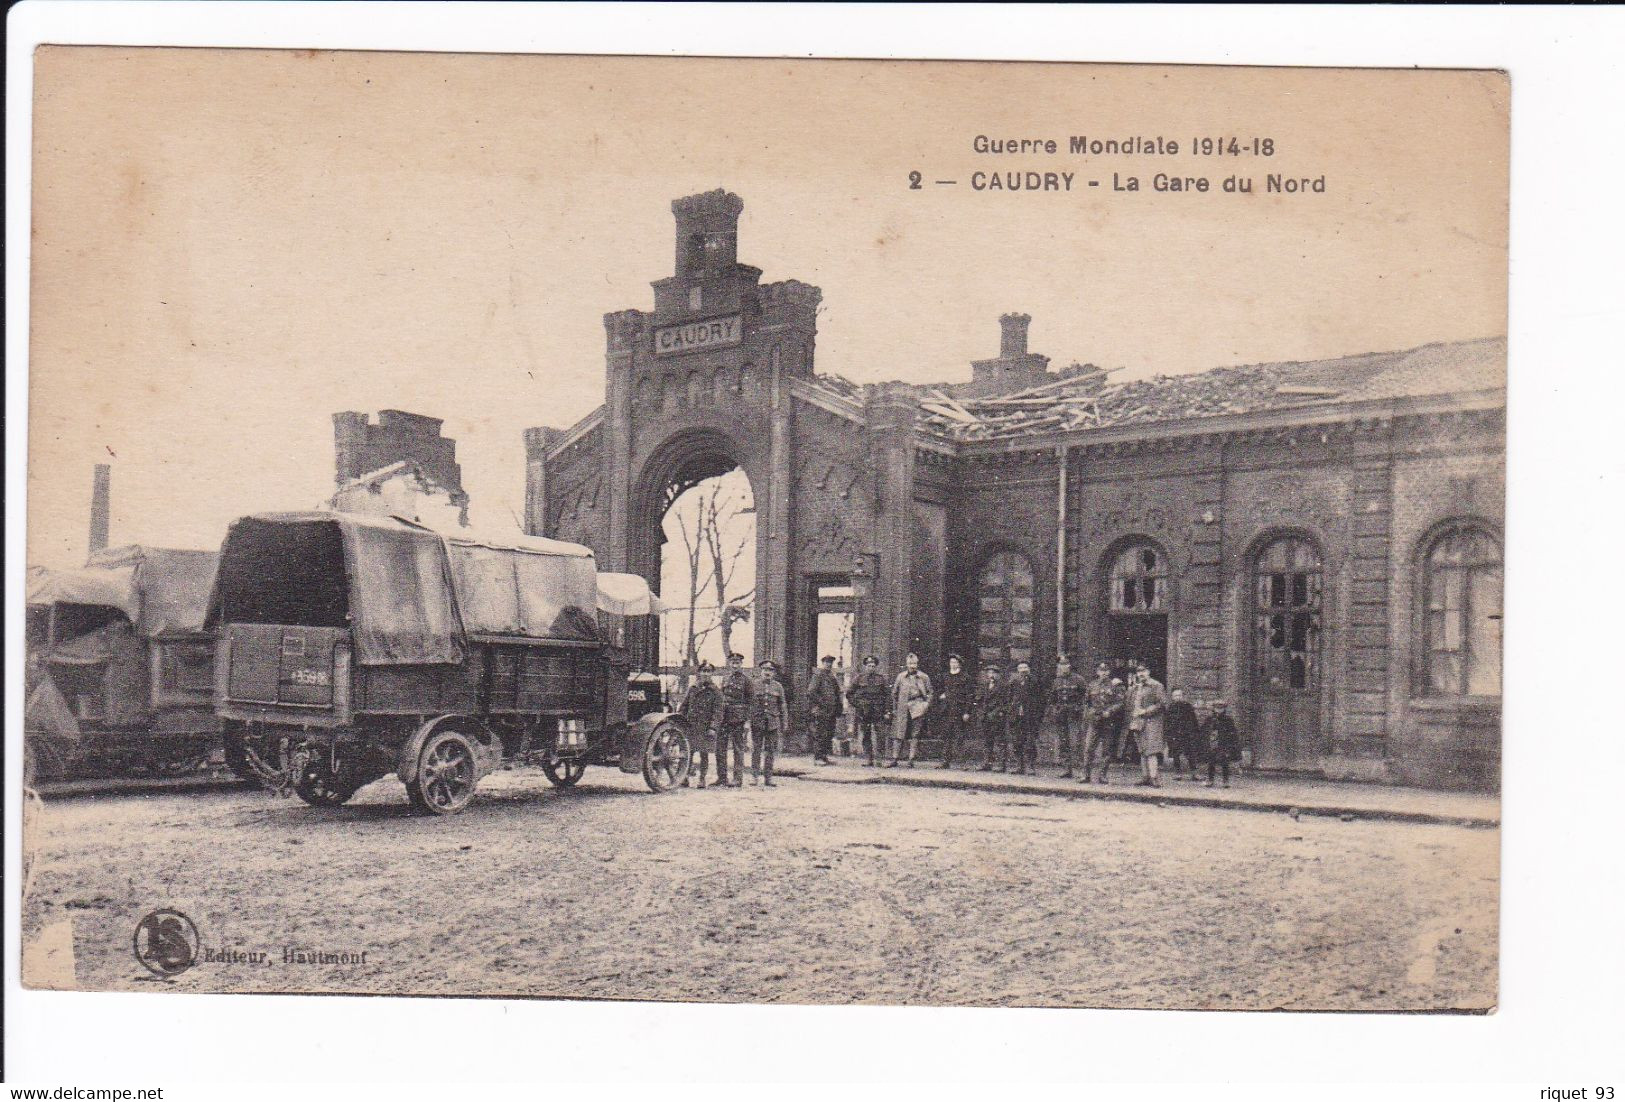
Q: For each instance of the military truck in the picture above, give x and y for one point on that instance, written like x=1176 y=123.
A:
x=351 y=647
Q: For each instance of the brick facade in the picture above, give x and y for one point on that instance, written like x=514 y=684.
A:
x=848 y=481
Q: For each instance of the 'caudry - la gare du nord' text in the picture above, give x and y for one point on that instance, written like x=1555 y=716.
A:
x=1158 y=145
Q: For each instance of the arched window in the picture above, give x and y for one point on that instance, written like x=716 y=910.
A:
x=1286 y=615
x=722 y=385
x=1139 y=580
x=1005 y=610
x=1461 y=579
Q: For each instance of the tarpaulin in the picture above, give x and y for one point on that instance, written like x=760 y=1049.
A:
x=549 y=592
x=162 y=591
x=114 y=588
x=410 y=593
x=171 y=585
x=627 y=595
x=401 y=608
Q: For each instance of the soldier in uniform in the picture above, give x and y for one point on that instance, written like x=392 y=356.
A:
x=1066 y=701
x=955 y=700
x=824 y=702
x=1023 y=708
x=702 y=707
x=769 y=724
x=738 y=699
x=1105 y=698
x=870 y=697
x=987 y=704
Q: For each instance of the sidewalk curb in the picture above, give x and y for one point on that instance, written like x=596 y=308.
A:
x=1165 y=798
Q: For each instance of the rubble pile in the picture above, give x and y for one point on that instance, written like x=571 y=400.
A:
x=1087 y=400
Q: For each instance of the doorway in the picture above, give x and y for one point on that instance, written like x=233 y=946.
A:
x=832 y=623
x=1137 y=611
x=1286 y=675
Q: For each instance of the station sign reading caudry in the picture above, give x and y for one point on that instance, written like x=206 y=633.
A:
x=691 y=336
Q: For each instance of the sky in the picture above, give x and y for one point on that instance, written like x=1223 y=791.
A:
x=232 y=245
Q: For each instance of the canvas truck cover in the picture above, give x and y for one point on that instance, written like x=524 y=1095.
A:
x=525 y=586
x=172 y=586
x=113 y=588
x=627 y=595
x=163 y=591
x=414 y=593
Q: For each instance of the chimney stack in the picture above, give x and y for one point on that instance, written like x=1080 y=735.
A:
x=1013 y=334
x=101 y=506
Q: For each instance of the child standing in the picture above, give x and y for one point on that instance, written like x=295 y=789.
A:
x=1223 y=742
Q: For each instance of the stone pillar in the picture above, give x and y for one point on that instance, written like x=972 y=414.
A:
x=622 y=333
x=775 y=586
x=890 y=414
x=538 y=442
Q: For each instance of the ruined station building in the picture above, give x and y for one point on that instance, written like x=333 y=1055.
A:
x=1319 y=544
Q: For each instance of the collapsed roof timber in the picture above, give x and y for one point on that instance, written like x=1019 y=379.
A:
x=1084 y=397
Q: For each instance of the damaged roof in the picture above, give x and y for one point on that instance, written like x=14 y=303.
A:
x=1087 y=398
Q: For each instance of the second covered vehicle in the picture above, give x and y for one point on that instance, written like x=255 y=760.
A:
x=351 y=647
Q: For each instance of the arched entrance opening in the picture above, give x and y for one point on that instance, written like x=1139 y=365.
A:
x=696 y=541
x=1137 y=603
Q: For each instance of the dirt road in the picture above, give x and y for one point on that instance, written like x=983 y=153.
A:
x=810 y=892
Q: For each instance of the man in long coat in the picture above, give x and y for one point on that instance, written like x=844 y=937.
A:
x=955 y=703
x=825 y=706
x=1023 y=711
x=911 y=700
x=1182 y=731
x=1147 y=702
x=702 y=707
x=988 y=704
x=870 y=697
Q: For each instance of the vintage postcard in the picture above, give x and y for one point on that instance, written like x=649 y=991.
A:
x=729 y=530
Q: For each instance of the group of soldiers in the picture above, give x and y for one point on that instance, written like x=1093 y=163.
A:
x=1095 y=720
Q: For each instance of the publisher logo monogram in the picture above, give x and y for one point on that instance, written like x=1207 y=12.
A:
x=166 y=942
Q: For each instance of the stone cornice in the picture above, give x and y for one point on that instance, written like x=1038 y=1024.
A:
x=1264 y=424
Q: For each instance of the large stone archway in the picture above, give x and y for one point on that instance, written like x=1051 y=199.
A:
x=677 y=464
x=720 y=374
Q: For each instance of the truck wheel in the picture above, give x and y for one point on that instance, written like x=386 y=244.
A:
x=319 y=788
x=448 y=769
x=564 y=772
x=666 y=757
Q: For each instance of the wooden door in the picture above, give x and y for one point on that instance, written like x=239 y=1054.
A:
x=1286 y=676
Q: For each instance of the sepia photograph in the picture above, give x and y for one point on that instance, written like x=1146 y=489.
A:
x=743 y=530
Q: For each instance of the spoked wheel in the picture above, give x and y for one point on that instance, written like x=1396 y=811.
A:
x=319 y=788
x=666 y=757
x=564 y=772
x=448 y=769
